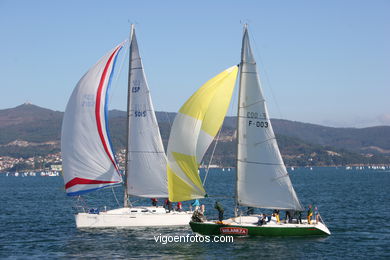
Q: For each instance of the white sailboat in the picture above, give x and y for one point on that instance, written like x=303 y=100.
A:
x=262 y=179
x=88 y=158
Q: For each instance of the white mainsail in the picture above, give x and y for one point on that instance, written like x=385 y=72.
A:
x=262 y=178
x=87 y=156
x=146 y=176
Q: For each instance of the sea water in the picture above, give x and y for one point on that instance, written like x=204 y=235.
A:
x=36 y=221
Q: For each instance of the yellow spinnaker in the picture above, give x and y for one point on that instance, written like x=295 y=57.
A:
x=193 y=130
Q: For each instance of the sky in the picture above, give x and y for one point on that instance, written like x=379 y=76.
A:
x=321 y=62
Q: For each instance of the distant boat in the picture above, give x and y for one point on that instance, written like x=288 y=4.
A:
x=52 y=174
x=262 y=179
x=89 y=161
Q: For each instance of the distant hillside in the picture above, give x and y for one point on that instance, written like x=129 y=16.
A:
x=361 y=140
x=27 y=114
x=30 y=123
x=299 y=142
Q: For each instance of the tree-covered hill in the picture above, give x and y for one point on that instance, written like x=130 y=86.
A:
x=300 y=143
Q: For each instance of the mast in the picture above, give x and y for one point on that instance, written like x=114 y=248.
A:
x=260 y=167
x=126 y=194
x=238 y=125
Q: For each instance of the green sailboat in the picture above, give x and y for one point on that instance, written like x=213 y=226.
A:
x=262 y=179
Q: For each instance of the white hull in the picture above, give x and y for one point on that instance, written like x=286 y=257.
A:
x=133 y=217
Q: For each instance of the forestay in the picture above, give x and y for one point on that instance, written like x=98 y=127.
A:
x=193 y=130
x=87 y=156
x=147 y=162
x=262 y=178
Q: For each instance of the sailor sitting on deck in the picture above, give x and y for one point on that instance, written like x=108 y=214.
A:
x=289 y=216
x=263 y=220
x=168 y=205
x=179 y=206
x=198 y=215
x=298 y=216
x=276 y=215
x=251 y=210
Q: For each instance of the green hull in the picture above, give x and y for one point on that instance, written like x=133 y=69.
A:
x=238 y=230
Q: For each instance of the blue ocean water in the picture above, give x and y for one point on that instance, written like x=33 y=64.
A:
x=37 y=221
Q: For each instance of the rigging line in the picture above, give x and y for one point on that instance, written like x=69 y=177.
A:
x=132 y=203
x=212 y=155
x=265 y=141
x=321 y=219
x=132 y=110
x=221 y=196
x=232 y=108
x=254 y=103
x=80 y=203
x=260 y=162
x=169 y=120
x=216 y=141
x=113 y=192
x=122 y=62
x=282 y=176
x=145 y=152
x=120 y=70
x=257 y=52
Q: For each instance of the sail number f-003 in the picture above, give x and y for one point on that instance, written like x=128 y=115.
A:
x=263 y=123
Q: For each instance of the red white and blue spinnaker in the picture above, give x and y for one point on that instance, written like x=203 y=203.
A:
x=88 y=159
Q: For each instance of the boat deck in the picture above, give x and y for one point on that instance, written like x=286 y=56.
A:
x=253 y=220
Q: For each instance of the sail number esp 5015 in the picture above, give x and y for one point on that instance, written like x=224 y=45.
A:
x=261 y=119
